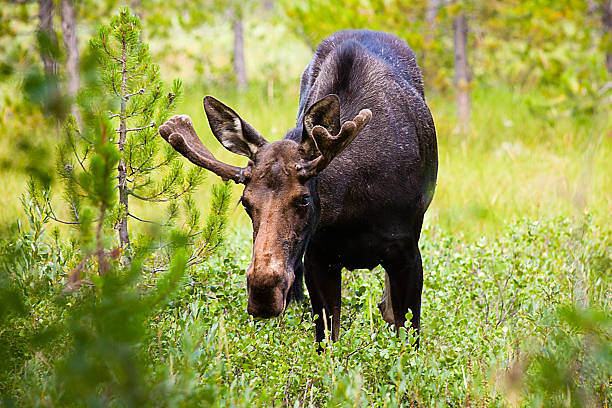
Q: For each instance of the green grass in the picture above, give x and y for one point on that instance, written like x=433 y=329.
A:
x=515 y=164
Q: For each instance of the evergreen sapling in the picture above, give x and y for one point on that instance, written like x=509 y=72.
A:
x=120 y=113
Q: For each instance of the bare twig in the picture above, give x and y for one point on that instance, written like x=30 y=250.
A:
x=141 y=91
x=52 y=215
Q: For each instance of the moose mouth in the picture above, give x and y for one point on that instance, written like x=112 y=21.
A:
x=266 y=303
x=261 y=314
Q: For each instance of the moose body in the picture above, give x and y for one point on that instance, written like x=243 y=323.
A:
x=347 y=187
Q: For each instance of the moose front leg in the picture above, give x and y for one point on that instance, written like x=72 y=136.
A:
x=324 y=286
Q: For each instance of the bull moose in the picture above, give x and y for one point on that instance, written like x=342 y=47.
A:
x=347 y=187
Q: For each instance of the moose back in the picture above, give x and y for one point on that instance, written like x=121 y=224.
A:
x=347 y=187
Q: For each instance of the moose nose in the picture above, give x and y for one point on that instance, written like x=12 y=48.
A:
x=265 y=301
x=265 y=287
x=266 y=312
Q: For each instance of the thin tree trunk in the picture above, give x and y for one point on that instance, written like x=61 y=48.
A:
x=48 y=42
x=433 y=7
x=461 y=71
x=71 y=42
x=124 y=237
x=239 y=62
x=268 y=5
x=431 y=13
x=136 y=6
x=606 y=19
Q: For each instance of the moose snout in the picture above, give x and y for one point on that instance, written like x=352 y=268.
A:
x=265 y=302
x=267 y=292
x=262 y=311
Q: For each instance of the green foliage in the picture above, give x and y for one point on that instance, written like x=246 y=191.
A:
x=549 y=44
x=114 y=156
x=61 y=346
x=573 y=363
x=30 y=270
x=140 y=107
x=522 y=321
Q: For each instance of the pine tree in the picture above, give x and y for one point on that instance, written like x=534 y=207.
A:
x=121 y=107
x=133 y=81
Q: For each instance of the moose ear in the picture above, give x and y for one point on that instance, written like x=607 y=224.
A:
x=326 y=113
x=235 y=134
x=320 y=145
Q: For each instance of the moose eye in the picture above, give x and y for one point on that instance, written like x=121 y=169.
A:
x=304 y=200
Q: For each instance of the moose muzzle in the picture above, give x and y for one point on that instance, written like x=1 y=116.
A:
x=269 y=278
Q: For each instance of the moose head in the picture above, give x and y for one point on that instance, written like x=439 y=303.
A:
x=280 y=193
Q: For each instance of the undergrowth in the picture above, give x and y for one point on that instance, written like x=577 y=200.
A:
x=522 y=320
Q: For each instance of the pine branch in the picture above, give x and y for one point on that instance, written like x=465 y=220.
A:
x=108 y=52
x=115 y=91
x=141 y=91
x=76 y=154
x=161 y=200
x=142 y=220
x=149 y=169
x=140 y=169
x=54 y=218
x=135 y=129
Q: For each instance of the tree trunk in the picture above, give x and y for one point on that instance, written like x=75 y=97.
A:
x=47 y=37
x=71 y=42
x=433 y=7
x=431 y=13
x=239 y=62
x=461 y=71
x=268 y=5
x=124 y=237
x=136 y=6
x=606 y=19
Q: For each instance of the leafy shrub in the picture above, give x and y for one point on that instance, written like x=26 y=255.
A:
x=520 y=320
x=486 y=305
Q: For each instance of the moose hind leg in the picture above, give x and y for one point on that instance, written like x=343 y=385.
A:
x=385 y=306
x=405 y=272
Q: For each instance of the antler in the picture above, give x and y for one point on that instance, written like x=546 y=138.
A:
x=179 y=132
x=330 y=146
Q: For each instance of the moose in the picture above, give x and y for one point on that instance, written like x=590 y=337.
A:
x=347 y=187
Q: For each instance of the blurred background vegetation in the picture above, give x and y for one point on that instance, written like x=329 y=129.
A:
x=517 y=247
x=534 y=138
